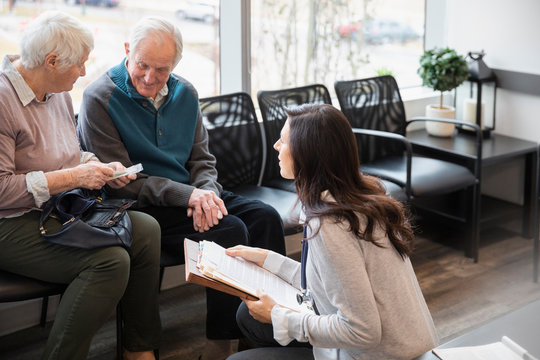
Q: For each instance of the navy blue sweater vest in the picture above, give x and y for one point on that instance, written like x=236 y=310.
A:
x=159 y=139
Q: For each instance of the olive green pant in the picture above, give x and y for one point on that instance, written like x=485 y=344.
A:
x=97 y=280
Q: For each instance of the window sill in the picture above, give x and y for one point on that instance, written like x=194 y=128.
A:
x=417 y=93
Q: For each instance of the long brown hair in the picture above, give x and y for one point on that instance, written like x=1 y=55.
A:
x=325 y=157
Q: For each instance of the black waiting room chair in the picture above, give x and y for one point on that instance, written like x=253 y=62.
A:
x=376 y=104
x=236 y=140
x=272 y=104
x=15 y=288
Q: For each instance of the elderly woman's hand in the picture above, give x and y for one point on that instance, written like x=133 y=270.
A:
x=121 y=181
x=91 y=175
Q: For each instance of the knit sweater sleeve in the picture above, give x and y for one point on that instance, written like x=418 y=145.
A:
x=202 y=164
x=344 y=280
x=98 y=134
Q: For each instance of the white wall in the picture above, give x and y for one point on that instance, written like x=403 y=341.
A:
x=508 y=32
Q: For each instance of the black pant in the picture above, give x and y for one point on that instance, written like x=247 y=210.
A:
x=250 y=222
x=262 y=335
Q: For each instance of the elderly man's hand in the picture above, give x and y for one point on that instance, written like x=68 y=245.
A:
x=122 y=180
x=206 y=208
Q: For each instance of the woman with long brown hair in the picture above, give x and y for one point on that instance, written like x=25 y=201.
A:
x=355 y=269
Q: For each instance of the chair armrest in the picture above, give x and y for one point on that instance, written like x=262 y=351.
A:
x=475 y=127
x=406 y=145
x=452 y=121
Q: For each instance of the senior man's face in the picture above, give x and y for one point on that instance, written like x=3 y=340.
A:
x=150 y=64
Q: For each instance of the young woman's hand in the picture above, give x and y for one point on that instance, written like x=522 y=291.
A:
x=255 y=255
x=261 y=309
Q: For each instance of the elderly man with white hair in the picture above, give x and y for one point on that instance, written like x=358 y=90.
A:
x=140 y=112
x=39 y=157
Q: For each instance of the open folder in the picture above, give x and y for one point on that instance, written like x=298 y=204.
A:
x=208 y=265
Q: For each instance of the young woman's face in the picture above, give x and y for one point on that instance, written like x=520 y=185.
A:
x=285 y=158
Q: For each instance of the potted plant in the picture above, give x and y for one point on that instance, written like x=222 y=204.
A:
x=442 y=69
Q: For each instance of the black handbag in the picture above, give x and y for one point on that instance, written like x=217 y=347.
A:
x=88 y=220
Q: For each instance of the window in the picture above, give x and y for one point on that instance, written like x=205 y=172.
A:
x=111 y=20
x=309 y=41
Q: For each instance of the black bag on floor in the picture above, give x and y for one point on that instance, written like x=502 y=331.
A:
x=88 y=220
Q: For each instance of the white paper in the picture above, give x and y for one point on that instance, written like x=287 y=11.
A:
x=246 y=275
x=493 y=351
x=130 y=170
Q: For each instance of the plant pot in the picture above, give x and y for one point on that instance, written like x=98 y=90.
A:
x=437 y=128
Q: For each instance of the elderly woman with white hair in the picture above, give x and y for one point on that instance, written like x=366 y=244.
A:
x=39 y=157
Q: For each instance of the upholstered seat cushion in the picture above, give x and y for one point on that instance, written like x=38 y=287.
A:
x=283 y=201
x=281 y=183
x=394 y=190
x=17 y=288
x=428 y=176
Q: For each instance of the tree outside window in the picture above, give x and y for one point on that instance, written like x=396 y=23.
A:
x=299 y=42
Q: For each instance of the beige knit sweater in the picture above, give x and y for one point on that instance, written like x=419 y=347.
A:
x=370 y=303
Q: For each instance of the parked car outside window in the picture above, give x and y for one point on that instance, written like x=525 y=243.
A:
x=379 y=31
x=199 y=11
x=107 y=3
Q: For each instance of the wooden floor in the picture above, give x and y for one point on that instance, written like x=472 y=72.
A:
x=461 y=295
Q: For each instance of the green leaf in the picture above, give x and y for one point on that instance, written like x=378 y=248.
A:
x=442 y=69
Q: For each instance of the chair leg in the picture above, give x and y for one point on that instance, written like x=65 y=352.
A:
x=44 y=308
x=473 y=201
x=119 y=332
x=475 y=222
x=161 y=272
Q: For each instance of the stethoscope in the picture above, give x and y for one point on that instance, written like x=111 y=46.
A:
x=305 y=298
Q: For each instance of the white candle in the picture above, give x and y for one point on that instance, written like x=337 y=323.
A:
x=469 y=112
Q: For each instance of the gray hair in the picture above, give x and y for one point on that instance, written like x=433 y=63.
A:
x=156 y=25
x=54 y=31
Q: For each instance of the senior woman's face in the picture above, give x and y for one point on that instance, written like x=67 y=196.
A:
x=64 y=79
x=285 y=158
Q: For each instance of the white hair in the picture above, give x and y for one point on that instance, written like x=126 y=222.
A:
x=54 y=31
x=159 y=26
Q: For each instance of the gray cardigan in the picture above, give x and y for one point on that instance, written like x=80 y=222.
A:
x=370 y=303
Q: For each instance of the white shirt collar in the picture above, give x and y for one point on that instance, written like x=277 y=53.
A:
x=24 y=92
